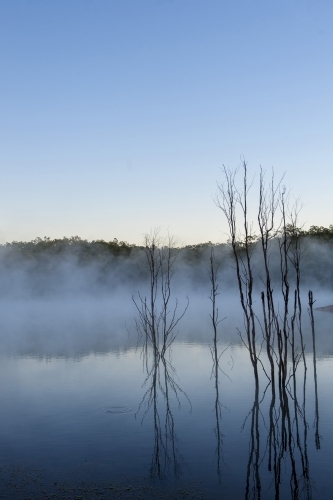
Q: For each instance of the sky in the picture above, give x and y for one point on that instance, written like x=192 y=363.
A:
x=117 y=116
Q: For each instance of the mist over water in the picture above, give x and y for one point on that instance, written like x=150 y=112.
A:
x=70 y=304
x=84 y=401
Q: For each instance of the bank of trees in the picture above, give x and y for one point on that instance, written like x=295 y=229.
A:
x=192 y=253
x=127 y=261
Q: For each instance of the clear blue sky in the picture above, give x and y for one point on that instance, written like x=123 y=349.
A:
x=117 y=115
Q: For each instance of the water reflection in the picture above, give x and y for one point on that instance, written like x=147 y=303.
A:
x=156 y=327
x=279 y=435
x=216 y=356
x=162 y=392
x=278 y=424
x=314 y=350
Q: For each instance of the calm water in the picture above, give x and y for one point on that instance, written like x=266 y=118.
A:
x=81 y=413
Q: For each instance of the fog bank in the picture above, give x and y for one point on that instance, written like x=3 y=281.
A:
x=72 y=298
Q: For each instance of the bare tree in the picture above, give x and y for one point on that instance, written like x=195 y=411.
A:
x=228 y=200
x=277 y=226
x=158 y=321
x=281 y=327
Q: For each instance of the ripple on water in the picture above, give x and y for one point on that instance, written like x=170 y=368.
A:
x=114 y=410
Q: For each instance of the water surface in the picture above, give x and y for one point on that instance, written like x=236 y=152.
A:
x=78 y=415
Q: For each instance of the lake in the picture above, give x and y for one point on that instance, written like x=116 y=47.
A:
x=86 y=413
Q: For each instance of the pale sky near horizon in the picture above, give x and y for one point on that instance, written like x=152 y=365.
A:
x=116 y=116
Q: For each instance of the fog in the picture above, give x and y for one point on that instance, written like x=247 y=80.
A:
x=72 y=303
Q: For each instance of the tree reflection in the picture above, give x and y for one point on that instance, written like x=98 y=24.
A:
x=282 y=442
x=216 y=356
x=157 y=325
x=280 y=326
x=162 y=392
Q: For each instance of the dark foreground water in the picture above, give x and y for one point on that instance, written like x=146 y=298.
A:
x=102 y=421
